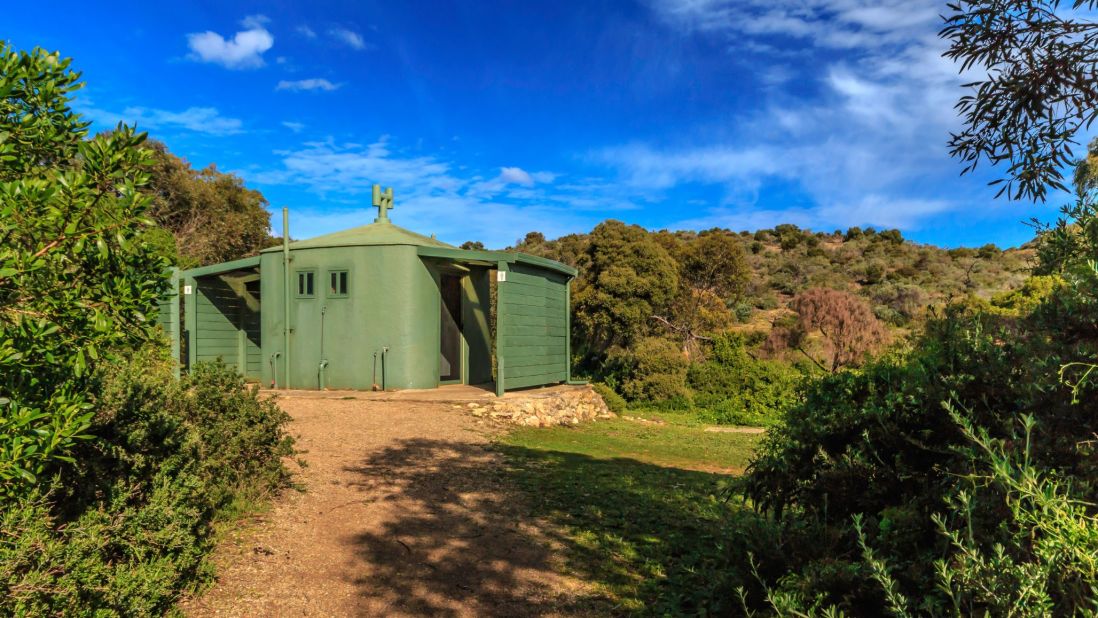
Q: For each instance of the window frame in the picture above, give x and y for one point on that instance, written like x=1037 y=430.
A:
x=346 y=283
x=298 y=293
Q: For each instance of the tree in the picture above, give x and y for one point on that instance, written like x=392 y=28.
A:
x=472 y=245
x=626 y=279
x=713 y=274
x=77 y=279
x=212 y=215
x=1040 y=88
x=847 y=325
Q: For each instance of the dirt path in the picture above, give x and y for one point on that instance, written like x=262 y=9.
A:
x=405 y=513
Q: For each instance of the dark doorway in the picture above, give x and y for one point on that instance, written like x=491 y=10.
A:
x=449 y=364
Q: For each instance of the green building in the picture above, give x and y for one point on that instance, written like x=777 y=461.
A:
x=379 y=306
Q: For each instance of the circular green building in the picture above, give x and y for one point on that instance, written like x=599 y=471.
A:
x=379 y=306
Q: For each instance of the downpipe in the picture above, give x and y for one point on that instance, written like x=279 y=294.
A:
x=274 y=368
x=384 y=357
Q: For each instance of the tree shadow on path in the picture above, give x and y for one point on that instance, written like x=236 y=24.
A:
x=451 y=537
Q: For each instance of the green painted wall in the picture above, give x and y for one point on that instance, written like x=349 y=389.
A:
x=167 y=316
x=385 y=328
x=393 y=301
x=224 y=325
x=532 y=326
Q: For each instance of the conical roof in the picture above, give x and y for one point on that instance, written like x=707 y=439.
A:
x=377 y=233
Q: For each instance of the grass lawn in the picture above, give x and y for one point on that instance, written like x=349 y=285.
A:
x=649 y=511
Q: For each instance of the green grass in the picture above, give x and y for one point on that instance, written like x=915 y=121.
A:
x=646 y=518
x=673 y=445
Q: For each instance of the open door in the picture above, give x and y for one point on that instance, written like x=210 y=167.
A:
x=449 y=369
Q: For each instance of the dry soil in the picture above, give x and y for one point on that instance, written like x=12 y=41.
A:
x=404 y=512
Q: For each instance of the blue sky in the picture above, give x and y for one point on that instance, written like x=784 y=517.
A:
x=491 y=120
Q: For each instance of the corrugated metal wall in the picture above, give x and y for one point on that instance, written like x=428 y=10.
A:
x=533 y=327
x=225 y=327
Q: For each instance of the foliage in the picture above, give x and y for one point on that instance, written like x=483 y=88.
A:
x=1026 y=299
x=732 y=388
x=750 y=290
x=1045 y=562
x=614 y=402
x=849 y=329
x=76 y=279
x=128 y=529
x=878 y=442
x=210 y=214
x=1035 y=92
x=628 y=278
x=713 y=275
x=1049 y=561
x=658 y=372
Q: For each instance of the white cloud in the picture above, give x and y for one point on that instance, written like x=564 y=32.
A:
x=198 y=119
x=296 y=127
x=861 y=146
x=245 y=49
x=306 y=31
x=307 y=84
x=516 y=175
x=435 y=195
x=348 y=37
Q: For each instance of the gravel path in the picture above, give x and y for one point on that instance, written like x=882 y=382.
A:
x=404 y=513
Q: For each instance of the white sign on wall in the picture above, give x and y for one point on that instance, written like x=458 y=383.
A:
x=501 y=275
x=187 y=289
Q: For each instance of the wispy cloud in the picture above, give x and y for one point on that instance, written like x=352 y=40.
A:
x=315 y=83
x=860 y=144
x=243 y=51
x=306 y=31
x=435 y=195
x=197 y=119
x=296 y=127
x=348 y=37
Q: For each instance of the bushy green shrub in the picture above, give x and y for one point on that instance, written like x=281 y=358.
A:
x=128 y=526
x=733 y=388
x=878 y=443
x=659 y=373
x=614 y=402
x=743 y=311
x=1027 y=298
x=77 y=277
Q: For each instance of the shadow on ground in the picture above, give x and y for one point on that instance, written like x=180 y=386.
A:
x=644 y=539
x=460 y=543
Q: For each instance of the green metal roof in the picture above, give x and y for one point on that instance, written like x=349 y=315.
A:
x=489 y=257
x=224 y=267
x=378 y=233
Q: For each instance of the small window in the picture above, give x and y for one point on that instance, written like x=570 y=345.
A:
x=306 y=284
x=337 y=283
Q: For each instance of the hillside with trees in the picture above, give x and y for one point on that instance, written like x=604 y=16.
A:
x=666 y=318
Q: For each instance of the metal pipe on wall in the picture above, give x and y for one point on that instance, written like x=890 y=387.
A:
x=286 y=294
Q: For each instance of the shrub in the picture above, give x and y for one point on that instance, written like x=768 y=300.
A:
x=735 y=389
x=659 y=373
x=77 y=277
x=128 y=527
x=614 y=402
x=743 y=311
x=878 y=443
x=1026 y=299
